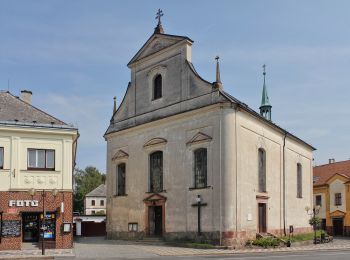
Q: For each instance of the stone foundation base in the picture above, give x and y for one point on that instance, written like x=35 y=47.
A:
x=239 y=239
x=204 y=237
x=228 y=238
x=117 y=235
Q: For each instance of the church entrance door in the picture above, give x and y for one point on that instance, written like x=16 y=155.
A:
x=262 y=217
x=338 y=224
x=155 y=220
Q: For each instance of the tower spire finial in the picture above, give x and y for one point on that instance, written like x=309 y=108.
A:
x=159 y=27
x=218 y=83
x=265 y=108
x=114 y=104
x=264 y=72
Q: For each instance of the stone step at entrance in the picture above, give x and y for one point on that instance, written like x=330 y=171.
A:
x=152 y=240
x=30 y=246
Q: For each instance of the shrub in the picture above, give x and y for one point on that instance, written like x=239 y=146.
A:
x=266 y=242
x=315 y=222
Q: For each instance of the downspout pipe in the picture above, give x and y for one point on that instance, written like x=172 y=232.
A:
x=74 y=162
x=284 y=182
x=75 y=147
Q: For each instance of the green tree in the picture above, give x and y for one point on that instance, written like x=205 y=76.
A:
x=315 y=222
x=84 y=182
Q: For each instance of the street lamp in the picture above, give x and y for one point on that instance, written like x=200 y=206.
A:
x=313 y=212
x=32 y=192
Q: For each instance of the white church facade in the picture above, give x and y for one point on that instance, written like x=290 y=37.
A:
x=187 y=160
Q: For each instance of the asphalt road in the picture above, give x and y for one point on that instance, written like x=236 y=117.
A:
x=309 y=255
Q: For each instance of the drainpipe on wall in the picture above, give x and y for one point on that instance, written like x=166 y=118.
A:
x=284 y=184
x=74 y=158
x=75 y=147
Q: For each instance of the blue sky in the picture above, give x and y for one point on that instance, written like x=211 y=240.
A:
x=73 y=56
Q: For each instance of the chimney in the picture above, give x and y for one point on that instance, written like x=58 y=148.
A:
x=26 y=96
x=331 y=160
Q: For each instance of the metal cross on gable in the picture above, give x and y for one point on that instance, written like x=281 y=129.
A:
x=159 y=14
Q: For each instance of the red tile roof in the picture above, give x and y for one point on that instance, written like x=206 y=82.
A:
x=324 y=172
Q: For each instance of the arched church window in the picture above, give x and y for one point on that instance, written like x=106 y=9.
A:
x=157 y=87
x=156 y=171
x=299 y=181
x=121 y=172
x=200 y=168
x=262 y=170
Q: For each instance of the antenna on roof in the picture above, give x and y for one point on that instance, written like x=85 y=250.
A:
x=8 y=85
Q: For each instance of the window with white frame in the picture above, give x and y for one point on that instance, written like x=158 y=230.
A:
x=337 y=199
x=42 y=159
x=133 y=227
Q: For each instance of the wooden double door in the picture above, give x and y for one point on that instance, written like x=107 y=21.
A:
x=155 y=220
x=338 y=226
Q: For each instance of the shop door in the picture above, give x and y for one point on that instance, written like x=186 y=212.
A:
x=31 y=227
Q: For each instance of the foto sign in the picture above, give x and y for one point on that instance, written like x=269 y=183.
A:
x=23 y=203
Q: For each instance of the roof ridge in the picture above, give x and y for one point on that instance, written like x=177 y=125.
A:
x=252 y=111
x=328 y=164
x=18 y=98
x=101 y=187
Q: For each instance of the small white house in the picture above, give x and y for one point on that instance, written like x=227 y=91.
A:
x=95 y=201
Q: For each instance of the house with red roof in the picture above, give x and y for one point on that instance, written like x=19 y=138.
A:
x=332 y=194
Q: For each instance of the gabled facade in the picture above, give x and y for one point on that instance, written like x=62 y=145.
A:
x=95 y=201
x=37 y=157
x=332 y=194
x=188 y=144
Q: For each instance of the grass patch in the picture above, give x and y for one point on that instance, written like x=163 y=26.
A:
x=303 y=237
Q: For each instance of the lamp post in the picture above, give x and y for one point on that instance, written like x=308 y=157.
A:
x=43 y=196
x=313 y=212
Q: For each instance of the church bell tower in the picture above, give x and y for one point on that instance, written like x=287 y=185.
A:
x=265 y=108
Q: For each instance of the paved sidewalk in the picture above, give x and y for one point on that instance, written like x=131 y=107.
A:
x=339 y=244
x=99 y=248
x=35 y=254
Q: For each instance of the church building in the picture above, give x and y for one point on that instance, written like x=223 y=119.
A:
x=187 y=160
